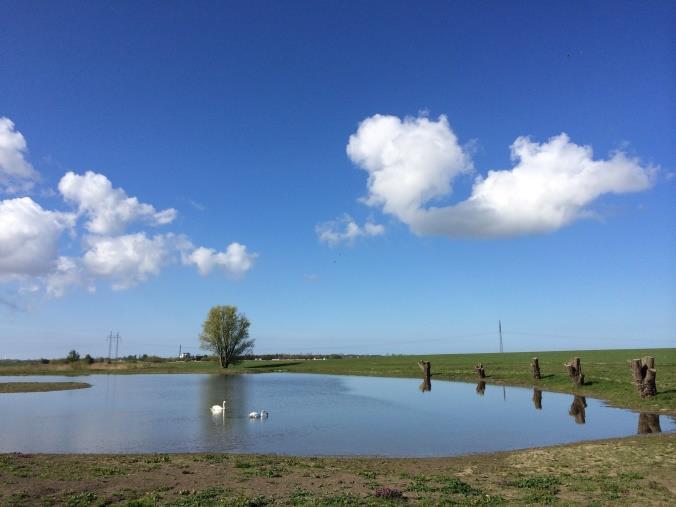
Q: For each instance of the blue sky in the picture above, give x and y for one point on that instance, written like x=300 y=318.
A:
x=235 y=121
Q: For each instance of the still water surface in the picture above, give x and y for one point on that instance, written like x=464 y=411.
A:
x=309 y=415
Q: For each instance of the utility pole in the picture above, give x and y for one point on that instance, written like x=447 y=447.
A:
x=179 y=351
x=500 y=333
x=110 y=344
x=117 y=344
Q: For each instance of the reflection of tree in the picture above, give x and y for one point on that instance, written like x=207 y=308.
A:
x=577 y=409
x=537 y=398
x=216 y=388
x=426 y=385
x=648 y=423
x=481 y=388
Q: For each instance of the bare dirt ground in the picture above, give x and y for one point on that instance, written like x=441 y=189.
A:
x=623 y=471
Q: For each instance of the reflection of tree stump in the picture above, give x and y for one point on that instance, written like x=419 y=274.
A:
x=481 y=388
x=479 y=368
x=649 y=423
x=644 y=376
x=535 y=368
x=537 y=398
x=575 y=371
x=426 y=367
x=577 y=409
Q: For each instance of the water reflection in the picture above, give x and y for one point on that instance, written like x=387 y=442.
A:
x=481 y=388
x=577 y=409
x=537 y=398
x=649 y=423
x=426 y=385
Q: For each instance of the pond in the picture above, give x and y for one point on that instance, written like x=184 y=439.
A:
x=309 y=415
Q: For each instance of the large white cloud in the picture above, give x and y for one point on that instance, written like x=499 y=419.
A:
x=16 y=174
x=126 y=260
x=235 y=261
x=411 y=163
x=109 y=209
x=345 y=230
x=29 y=237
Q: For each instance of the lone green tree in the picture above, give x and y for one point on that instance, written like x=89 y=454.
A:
x=226 y=333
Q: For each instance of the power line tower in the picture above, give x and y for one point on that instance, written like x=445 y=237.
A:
x=500 y=333
x=110 y=345
x=117 y=344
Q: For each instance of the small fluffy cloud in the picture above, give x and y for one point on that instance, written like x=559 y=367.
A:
x=29 y=237
x=412 y=162
x=16 y=174
x=126 y=260
x=235 y=261
x=346 y=230
x=67 y=273
x=109 y=209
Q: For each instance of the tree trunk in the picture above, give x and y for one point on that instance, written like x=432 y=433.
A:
x=644 y=376
x=481 y=388
x=648 y=423
x=535 y=368
x=426 y=367
x=479 y=368
x=537 y=398
x=575 y=371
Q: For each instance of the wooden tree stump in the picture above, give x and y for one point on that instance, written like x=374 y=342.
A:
x=575 y=371
x=577 y=409
x=648 y=423
x=426 y=367
x=479 y=368
x=481 y=388
x=537 y=398
x=644 y=376
x=535 y=368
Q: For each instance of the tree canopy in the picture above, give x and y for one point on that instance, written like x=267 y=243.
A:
x=225 y=332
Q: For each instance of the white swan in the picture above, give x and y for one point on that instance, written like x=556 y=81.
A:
x=264 y=414
x=254 y=415
x=217 y=409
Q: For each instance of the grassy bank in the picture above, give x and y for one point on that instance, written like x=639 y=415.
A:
x=627 y=471
x=39 y=387
x=607 y=372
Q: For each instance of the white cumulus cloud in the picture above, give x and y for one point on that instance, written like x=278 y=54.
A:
x=109 y=209
x=234 y=261
x=126 y=260
x=16 y=174
x=414 y=161
x=345 y=230
x=409 y=161
x=29 y=237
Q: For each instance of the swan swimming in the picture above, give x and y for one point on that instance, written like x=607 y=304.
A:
x=217 y=409
x=264 y=414
x=254 y=415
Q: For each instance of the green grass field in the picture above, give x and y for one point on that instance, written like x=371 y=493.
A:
x=607 y=372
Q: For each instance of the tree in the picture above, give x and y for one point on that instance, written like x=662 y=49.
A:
x=226 y=334
x=72 y=356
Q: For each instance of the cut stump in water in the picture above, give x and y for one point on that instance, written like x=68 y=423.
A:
x=479 y=369
x=535 y=368
x=575 y=371
x=644 y=376
x=537 y=398
x=648 y=423
x=426 y=367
